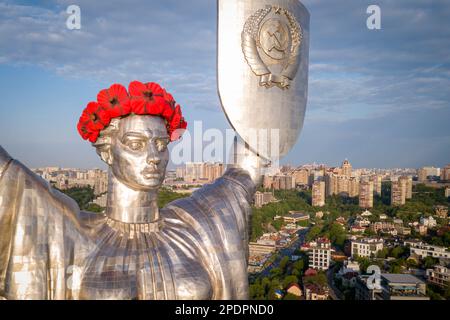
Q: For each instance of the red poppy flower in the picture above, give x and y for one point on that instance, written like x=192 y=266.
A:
x=95 y=117
x=87 y=133
x=168 y=112
x=177 y=124
x=176 y=118
x=115 y=100
x=169 y=98
x=146 y=98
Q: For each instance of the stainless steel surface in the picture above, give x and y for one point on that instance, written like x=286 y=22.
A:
x=136 y=150
x=263 y=53
x=194 y=248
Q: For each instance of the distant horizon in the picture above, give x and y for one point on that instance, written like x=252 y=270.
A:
x=286 y=164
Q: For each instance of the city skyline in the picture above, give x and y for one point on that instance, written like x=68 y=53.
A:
x=378 y=97
x=292 y=166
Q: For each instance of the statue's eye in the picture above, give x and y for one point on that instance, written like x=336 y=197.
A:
x=135 y=145
x=161 y=144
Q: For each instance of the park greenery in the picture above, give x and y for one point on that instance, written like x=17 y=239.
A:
x=83 y=196
x=422 y=204
x=165 y=196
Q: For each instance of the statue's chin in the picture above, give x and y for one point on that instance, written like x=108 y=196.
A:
x=150 y=186
x=145 y=185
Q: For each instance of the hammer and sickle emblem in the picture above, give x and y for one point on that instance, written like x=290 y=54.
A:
x=274 y=38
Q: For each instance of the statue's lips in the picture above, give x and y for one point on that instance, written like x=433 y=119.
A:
x=151 y=174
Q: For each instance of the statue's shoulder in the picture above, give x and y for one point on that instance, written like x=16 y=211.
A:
x=91 y=220
x=235 y=181
x=5 y=160
x=28 y=187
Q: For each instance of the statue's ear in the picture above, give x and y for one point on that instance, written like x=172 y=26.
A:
x=104 y=151
x=106 y=156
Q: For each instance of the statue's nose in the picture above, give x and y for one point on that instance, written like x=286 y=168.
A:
x=153 y=160
x=152 y=157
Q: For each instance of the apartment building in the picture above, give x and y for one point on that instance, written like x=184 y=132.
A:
x=366 y=247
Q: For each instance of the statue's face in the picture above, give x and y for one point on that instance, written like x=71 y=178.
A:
x=139 y=152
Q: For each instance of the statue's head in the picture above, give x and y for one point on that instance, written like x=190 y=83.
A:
x=135 y=148
x=131 y=132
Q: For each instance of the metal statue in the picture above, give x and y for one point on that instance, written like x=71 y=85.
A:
x=263 y=55
x=194 y=248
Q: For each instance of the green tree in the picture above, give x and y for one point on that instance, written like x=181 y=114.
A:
x=396 y=266
x=165 y=196
x=276 y=272
x=277 y=224
x=313 y=233
x=283 y=264
x=94 y=208
x=289 y=280
x=337 y=234
x=382 y=254
x=83 y=196
x=429 y=262
x=398 y=252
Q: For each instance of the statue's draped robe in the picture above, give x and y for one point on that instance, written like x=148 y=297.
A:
x=49 y=249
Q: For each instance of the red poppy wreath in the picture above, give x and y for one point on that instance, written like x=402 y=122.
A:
x=140 y=99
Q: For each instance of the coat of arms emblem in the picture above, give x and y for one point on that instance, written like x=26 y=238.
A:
x=271 y=42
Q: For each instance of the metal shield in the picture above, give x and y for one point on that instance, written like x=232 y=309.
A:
x=263 y=53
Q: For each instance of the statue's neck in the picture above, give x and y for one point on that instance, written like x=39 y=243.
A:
x=130 y=206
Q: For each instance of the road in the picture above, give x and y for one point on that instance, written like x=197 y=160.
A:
x=288 y=251
x=335 y=293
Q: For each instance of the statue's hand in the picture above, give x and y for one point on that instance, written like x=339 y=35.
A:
x=242 y=157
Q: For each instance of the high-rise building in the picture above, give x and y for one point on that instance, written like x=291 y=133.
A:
x=202 y=172
x=346 y=168
x=398 y=193
x=376 y=179
x=193 y=171
x=279 y=182
x=268 y=182
x=315 y=175
x=354 y=187
x=432 y=171
x=286 y=182
x=180 y=172
x=406 y=182
x=343 y=184
x=422 y=175
x=330 y=184
x=263 y=198
x=100 y=179
x=337 y=184
x=301 y=176
x=366 y=193
x=445 y=173
x=318 y=194
x=212 y=171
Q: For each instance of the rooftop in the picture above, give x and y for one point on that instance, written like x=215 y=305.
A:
x=401 y=278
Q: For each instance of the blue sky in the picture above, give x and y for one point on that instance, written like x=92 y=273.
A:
x=379 y=98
